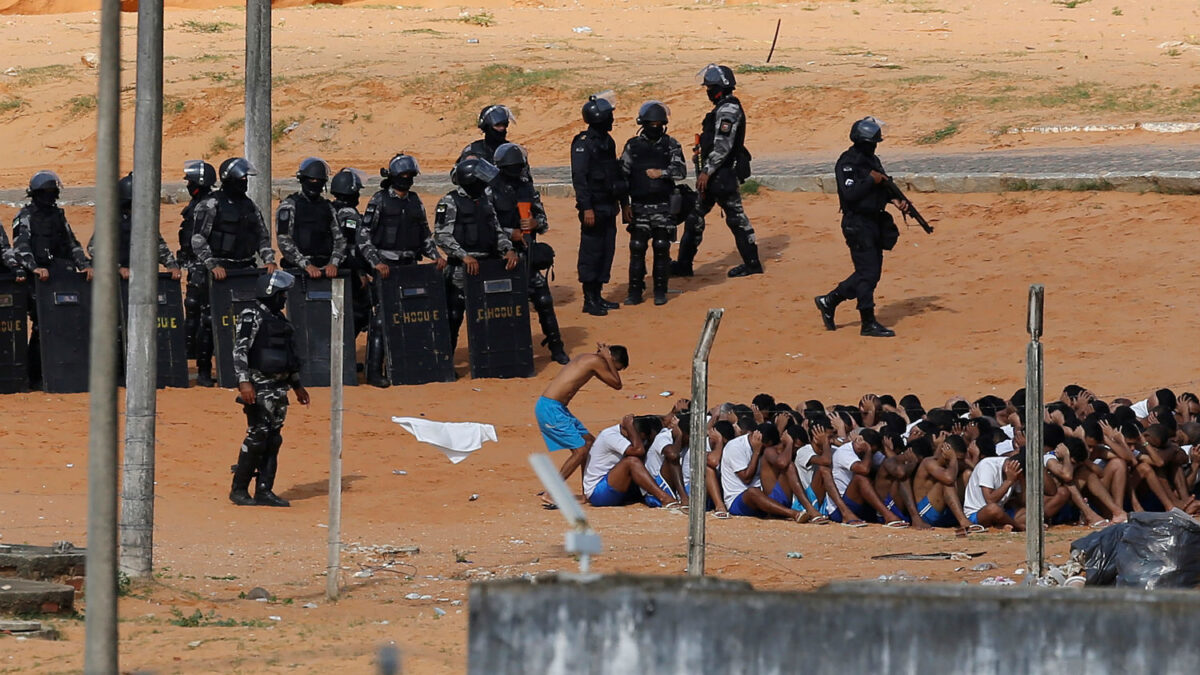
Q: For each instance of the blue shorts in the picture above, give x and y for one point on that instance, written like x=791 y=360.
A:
x=1069 y=514
x=653 y=502
x=974 y=517
x=708 y=502
x=603 y=495
x=741 y=508
x=933 y=516
x=891 y=506
x=812 y=499
x=559 y=428
x=861 y=512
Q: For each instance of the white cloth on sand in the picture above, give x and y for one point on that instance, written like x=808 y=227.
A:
x=456 y=440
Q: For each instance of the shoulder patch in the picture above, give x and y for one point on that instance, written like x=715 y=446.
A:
x=849 y=182
x=725 y=127
x=441 y=207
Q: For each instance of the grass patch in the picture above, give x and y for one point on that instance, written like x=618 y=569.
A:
x=1071 y=4
x=501 y=79
x=1092 y=186
x=233 y=125
x=421 y=31
x=198 y=619
x=219 y=144
x=9 y=104
x=919 y=79
x=767 y=68
x=283 y=127
x=484 y=19
x=192 y=26
x=751 y=187
x=29 y=77
x=80 y=105
x=1116 y=11
x=212 y=57
x=218 y=76
x=174 y=106
x=939 y=135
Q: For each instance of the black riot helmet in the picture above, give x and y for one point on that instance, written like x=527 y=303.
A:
x=866 y=130
x=510 y=158
x=400 y=165
x=237 y=168
x=125 y=189
x=273 y=287
x=199 y=173
x=653 y=111
x=473 y=175
x=494 y=115
x=45 y=181
x=313 y=168
x=346 y=184
x=598 y=111
x=719 y=77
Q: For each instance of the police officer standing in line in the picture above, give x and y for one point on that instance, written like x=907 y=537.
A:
x=346 y=187
x=165 y=258
x=267 y=364
x=724 y=163
x=493 y=122
x=599 y=192
x=228 y=231
x=40 y=235
x=467 y=230
x=9 y=263
x=509 y=191
x=307 y=229
x=200 y=177
x=867 y=227
x=651 y=162
x=394 y=231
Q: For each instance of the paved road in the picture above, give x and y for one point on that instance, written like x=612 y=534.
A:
x=1135 y=168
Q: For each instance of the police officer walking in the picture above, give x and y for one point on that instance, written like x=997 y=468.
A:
x=467 y=230
x=346 y=187
x=651 y=162
x=165 y=257
x=599 y=190
x=228 y=231
x=200 y=177
x=523 y=217
x=394 y=232
x=867 y=227
x=723 y=164
x=307 y=229
x=41 y=234
x=267 y=364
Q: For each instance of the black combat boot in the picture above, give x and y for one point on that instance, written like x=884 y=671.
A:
x=871 y=327
x=375 y=361
x=746 y=269
x=606 y=304
x=634 y=297
x=591 y=300
x=263 y=495
x=204 y=376
x=243 y=472
x=827 y=305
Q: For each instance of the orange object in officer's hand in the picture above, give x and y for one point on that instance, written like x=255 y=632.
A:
x=525 y=209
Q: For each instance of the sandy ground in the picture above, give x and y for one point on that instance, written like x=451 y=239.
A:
x=361 y=87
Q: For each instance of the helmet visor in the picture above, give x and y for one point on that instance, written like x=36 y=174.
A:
x=279 y=281
x=606 y=101
x=496 y=115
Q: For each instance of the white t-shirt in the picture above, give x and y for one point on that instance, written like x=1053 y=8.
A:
x=654 y=454
x=1004 y=447
x=989 y=473
x=844 y=458
x=804 y=467
x=908 y=429
x=609 y=448
x=736 y=458
x=1141 y=408
x=1008 y=431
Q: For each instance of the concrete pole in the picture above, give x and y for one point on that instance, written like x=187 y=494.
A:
x=1035 y=538
x=141 y=380
x=698 y=442
x=336 y=346
x=100 y=639
x=258 y=102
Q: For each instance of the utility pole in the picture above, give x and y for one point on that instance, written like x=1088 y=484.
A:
x=258 y=102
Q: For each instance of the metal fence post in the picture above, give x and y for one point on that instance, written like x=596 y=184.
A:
x=698 y=442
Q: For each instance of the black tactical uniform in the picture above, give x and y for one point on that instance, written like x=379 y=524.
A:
x=868 y=229
x=725 y=161
x=509 y=191
x=200 y=177
x=41 y=235
x=307 y=226
x=346 y=186
x=125 y=231
x=599 y=190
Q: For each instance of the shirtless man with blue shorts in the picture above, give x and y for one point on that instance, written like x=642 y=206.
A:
x=560 y=429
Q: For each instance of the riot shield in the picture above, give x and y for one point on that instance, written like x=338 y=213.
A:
x=228 y=298
x=498 y=321
x=14 y=334
x=308 y=308
x=417 y=331
x=170 y=337
x=64 y=322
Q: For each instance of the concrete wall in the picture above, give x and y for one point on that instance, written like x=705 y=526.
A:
x=625 y=625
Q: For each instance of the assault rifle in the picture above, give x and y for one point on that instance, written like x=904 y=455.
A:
x=895 y=193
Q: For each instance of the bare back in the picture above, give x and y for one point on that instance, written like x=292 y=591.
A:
x=575 y=374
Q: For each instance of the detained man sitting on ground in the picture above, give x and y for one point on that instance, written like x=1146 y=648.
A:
x=893 y=481
x=993 y=494
x=778 y=467
x=614 y=470
x=935 y=484
x=851 y=476
x=741 y=479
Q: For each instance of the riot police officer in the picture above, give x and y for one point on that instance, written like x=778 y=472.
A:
x=522 y=217
x=493 y=121
x=599 y=192
x=267 y=364
x=165 y=257
x=723 y=164
x=200 y=177
x=227 y=234
x=9 y=263
x=394 y=231
x=309 y=236
x=867 y=227
x=346 y=187
x=467 y=230
x=41 y=234
x=652 y=162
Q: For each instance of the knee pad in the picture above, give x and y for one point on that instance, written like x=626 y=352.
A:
x=637 y=244
x=257 y=438
x=662 y=247
x=191 y=303
x=541 y=299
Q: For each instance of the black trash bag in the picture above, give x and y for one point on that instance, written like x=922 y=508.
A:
x=1152 y=550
